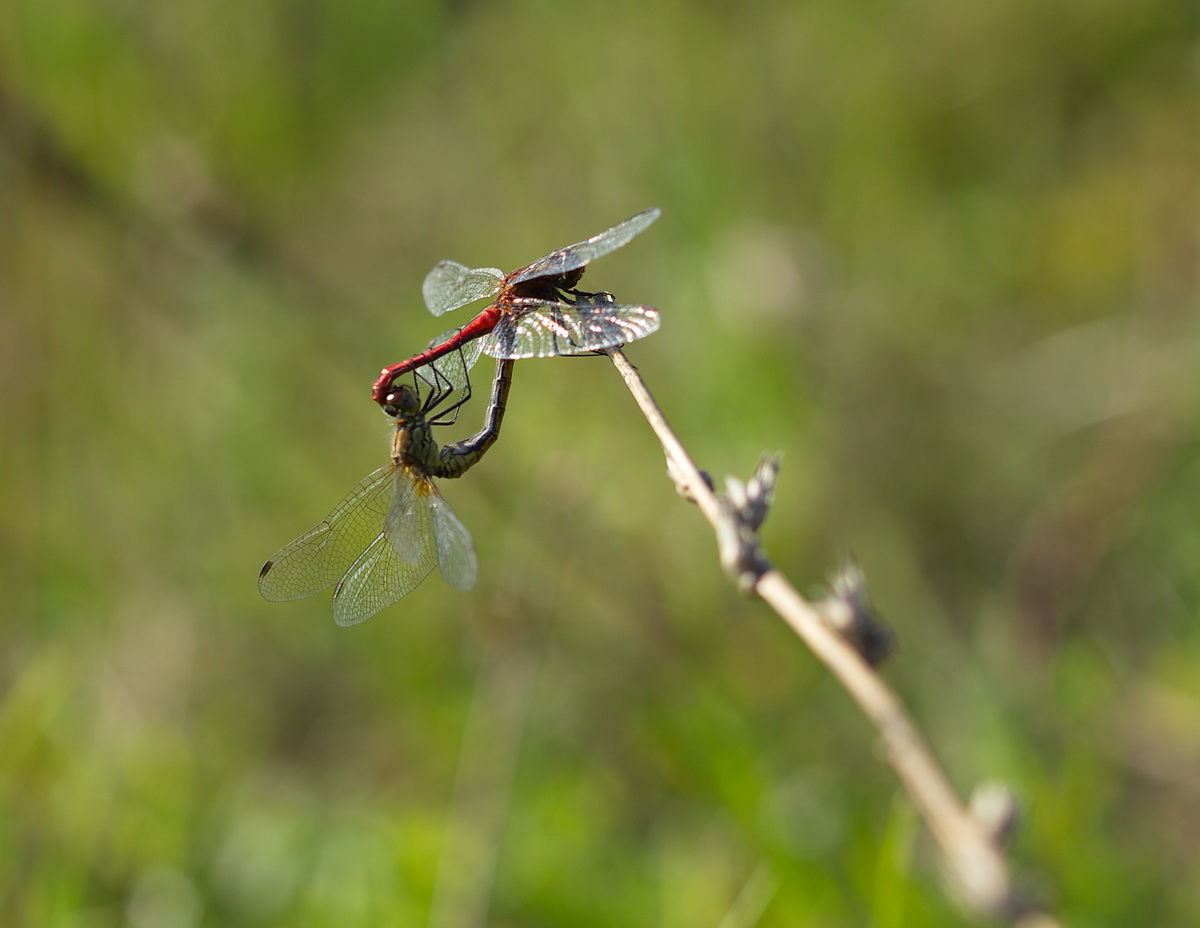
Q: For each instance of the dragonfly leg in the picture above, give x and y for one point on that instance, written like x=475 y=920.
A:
x=449 y=414
x=600 y=298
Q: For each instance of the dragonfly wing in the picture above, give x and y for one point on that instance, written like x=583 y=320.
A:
x=376 y=580
x=455 y=550
x=315 y=560
x=451 y=285
x=581 y=253
x=407 y=526
x=542 y=329
x=396 y=561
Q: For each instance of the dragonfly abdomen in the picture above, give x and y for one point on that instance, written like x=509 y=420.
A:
x=458 y=457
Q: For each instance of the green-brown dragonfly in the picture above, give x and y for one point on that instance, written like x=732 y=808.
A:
x=386 y=536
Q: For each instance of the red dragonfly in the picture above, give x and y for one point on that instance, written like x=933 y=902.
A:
x=536 y=312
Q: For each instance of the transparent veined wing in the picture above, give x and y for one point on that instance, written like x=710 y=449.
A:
x=451 y=285
x=319 y=557
x=544 y=329
x=455 y=549
x=407 y=526
x=452 y=368
x=581 y=253
x=400 y=556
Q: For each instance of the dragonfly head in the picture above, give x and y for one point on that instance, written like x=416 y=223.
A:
x=402 y=402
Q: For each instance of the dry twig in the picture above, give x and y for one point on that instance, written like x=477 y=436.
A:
x=842 y=632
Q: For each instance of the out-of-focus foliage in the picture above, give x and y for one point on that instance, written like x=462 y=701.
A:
x=942 y=255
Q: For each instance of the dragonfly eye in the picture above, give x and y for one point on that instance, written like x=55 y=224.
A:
x=403 y=401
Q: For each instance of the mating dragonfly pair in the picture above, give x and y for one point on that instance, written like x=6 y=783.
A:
x=386 y=536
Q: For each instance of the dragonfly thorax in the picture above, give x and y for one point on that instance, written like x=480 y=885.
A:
x=413 y=446
x=547 y=287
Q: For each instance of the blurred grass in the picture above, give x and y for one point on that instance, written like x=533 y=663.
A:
x=943 y=256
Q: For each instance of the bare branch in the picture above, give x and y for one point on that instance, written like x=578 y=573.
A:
x=843 y=632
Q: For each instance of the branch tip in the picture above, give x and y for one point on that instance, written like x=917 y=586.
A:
x=743 y=509
x=995 y=807
x=848 y=608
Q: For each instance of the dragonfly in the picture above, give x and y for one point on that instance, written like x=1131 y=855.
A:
x=391 y=530
x=535 y=311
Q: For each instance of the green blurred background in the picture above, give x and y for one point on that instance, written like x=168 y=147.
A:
x=941 y=255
